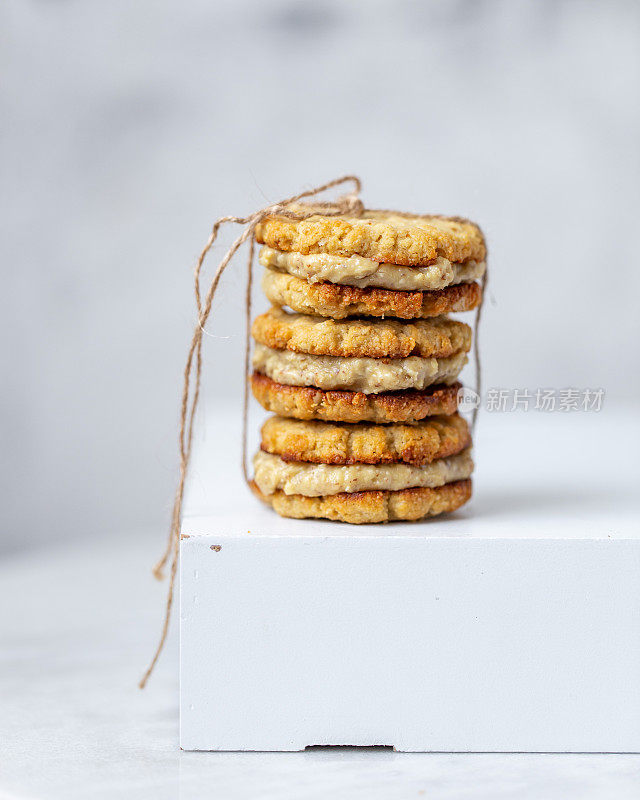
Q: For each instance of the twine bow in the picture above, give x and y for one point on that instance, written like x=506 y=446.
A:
x=344 y=204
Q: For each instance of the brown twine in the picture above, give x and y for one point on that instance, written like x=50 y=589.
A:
x=476 y=349
x=344 y=204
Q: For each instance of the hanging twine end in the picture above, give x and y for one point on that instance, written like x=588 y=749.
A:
x=348 y=203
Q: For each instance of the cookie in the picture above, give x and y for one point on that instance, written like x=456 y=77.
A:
x=361 y=338
x=383 y=236
x=307 y=402
x=364 y=443
x=340 y=301
x=375 y=506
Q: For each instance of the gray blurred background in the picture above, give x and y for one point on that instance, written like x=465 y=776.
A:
x=128 y=127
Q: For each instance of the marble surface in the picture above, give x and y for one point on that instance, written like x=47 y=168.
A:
x=79 y=621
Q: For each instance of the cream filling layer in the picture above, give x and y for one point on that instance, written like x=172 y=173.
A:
x=363 y=272
x=368 y=375
x=318 y=480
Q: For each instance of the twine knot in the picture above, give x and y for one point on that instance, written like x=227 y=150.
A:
x=351 y=204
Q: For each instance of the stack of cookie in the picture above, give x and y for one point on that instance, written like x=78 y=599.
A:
x=363 y=374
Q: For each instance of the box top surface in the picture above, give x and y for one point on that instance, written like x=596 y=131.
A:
x=538 y=476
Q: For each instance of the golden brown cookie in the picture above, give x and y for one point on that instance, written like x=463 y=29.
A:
x=368 y=507
x=340 y=301
x=439 y=337
x=363 y=443
x=384 y=236
x=307 y=402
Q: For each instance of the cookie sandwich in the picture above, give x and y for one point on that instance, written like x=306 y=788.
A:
x=383 y=264
x=362 y=473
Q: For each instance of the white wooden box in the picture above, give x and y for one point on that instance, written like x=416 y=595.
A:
x=511 y=626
